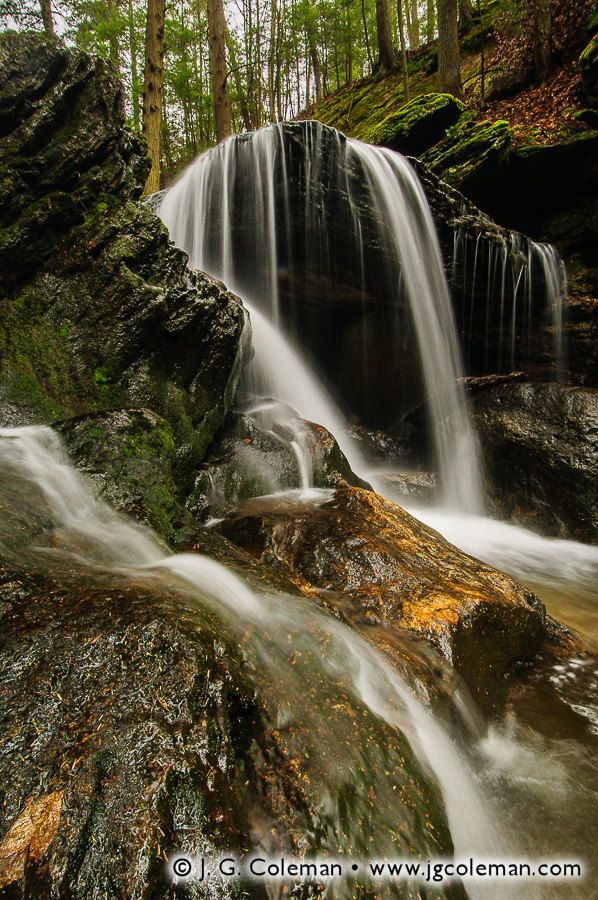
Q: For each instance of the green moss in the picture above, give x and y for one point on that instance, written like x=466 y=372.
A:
x=469 y=148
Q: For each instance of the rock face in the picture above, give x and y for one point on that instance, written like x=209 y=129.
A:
x=540 y=445
x=498 y=278
x=402 y=574
x=98 y=310
x=339 y=288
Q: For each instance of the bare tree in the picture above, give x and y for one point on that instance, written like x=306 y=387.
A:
x=152 y=88
x=449 y=69
x=217 y=32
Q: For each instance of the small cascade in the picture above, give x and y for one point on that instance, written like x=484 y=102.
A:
x=328 y=657
x=297 y=219
x=524 y=285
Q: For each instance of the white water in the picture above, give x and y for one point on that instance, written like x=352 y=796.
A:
x=510 y=268
x=200 y=214
x=80 y=527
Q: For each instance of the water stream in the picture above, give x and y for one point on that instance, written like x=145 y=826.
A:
x=520 y=763
x=49 y=514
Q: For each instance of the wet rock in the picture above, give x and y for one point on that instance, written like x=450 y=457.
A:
x=588 y=62
x=540 y=446
x=364 y=547
x=380 y=446
x=97 y=309
x=402 y=485
x=129 y=455
x=132 y=731
x=264 y=448
x=476 y=252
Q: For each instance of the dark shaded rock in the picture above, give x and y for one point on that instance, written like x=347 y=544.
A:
x=63 y=141
x=494 y=274
x=411 y=579
x=97 y=309
x=379 y=446
x=540 y=446
x=264 y=448
x=476 y=384
x=129 y=455
x=418 y=125
x=504 y=83
x=588 y=62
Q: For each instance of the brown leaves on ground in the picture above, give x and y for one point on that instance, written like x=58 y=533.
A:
x=543 y=113
x=29 y=836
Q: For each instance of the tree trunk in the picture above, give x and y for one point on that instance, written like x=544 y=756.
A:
x=134 y=73
x=430 y=22
x=241 y=94
x=315 y=64
x=367 y=37
x=46 y=8
x=152 y=88
x=113 y=42
x=542 y=39
x=386 y=50
x=271 y=57
x=449 y=71
x=415 y=25
x=401 y=25
x=217 y=46
x=465 y=13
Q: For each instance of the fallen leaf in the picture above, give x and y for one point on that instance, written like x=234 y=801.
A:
x=29 y=836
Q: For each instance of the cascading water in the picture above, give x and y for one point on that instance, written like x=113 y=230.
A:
x=510 y=285
x=233 y=212
x=59 y=522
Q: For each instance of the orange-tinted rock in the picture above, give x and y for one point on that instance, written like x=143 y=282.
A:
x=403 y=574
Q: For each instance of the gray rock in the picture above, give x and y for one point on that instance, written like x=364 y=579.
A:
x=540 y=446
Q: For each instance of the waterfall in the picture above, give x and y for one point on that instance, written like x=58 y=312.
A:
x=509 y=286
x=285 y=214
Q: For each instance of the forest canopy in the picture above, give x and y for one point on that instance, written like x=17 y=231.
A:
x=195 y=71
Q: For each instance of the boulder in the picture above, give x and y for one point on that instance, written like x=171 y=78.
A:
x=540 y=448
x=470 y=153
x=404 y=575
x=98 y=310
x=129 y=456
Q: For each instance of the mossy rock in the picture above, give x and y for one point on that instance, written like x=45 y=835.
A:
x=130 y=456
x=418 y=125
x=98 y=310
x=470 y=152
